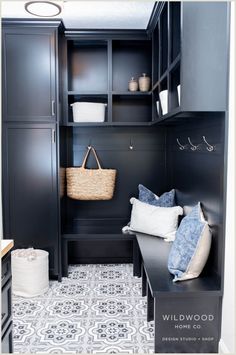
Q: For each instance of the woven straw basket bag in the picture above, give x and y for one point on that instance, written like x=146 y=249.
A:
x=90 y=184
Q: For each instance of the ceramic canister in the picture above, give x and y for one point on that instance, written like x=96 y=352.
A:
x=144 y=82
x=133 y=84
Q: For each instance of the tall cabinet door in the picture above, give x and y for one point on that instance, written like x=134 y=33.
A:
x=29 y=71
x=30 y=188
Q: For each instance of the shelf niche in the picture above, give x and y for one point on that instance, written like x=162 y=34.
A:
x=87 y=66
x=175 y=25
x=86 y=98
x=130 y=59
x=132 y=109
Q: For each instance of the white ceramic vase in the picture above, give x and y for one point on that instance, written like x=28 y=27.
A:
x=179 y=93
x=158 y=108
x=164 y=101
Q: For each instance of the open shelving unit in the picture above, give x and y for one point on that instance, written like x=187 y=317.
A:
x=167 y=59
x=99 y=71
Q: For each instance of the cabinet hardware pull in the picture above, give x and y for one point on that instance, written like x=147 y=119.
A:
x=53 y=136
x=53 y=108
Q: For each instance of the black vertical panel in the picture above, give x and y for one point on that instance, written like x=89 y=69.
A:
x=204 y=55
x=197 y=175
x=30 y=188
x=145 y=164
x=29 y=74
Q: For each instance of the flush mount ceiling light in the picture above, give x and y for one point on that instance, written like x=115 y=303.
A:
x=42 y=8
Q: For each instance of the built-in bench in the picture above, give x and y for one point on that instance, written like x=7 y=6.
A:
x=186 y=314
x=99 y=241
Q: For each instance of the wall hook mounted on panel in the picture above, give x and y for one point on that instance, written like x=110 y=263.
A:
x=181 y=147
x=193 y=147
x=90 y=144
x=131 y=147
x=209 y=147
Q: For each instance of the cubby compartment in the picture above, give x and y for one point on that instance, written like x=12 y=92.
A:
x=132 y=108
x=86 y=98
x=174 y=101
x=155 y=56
x=175 y=26
x=130 y=59
x=162 y=87
x=87 y=66
x=164 y=40
x=156 y=106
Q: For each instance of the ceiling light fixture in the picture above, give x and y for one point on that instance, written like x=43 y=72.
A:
x=43 y=8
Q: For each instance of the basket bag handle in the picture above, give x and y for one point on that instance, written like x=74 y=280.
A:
x=86 y=157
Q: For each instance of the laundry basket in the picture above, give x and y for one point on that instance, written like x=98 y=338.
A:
x=29 y=272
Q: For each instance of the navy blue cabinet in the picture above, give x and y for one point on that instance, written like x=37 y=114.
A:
x=30 y=116
x=29 y=65
x=30 y=188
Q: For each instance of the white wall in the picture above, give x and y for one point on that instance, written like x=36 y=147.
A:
x=227 y=343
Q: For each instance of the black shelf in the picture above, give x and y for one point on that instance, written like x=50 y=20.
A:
x=175 y=112
x=88 y=124
x=175 y=62
x=88 y=93
x=96 y=226
x=106 y=124
x=131 y=93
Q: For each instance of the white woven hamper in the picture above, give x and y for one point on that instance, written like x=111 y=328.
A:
x=29 y=272
x=88 y=111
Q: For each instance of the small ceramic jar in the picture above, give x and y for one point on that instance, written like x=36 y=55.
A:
x=144 y=82
x=133 y=84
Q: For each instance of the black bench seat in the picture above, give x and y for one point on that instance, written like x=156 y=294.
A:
x=155 y=253
x=186 y=314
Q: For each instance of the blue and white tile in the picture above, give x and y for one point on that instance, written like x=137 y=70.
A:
x=97 y=309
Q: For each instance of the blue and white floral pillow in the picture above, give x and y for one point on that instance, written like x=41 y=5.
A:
x=191 y=247
x=165 y=200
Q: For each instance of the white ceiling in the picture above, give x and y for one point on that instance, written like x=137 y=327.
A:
x=91 y=14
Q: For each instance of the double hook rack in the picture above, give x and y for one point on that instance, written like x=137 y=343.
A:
x=194 y=147
x=131 y=145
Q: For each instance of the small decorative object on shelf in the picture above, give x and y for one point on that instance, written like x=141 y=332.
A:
x=164 y=101
x=158 y=108
x=133 y=84
x=179 y=92
x=144 y=82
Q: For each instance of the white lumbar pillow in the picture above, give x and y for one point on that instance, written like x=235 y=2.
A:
x=158 y=221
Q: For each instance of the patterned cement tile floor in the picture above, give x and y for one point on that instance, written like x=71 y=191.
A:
x=97 y=309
